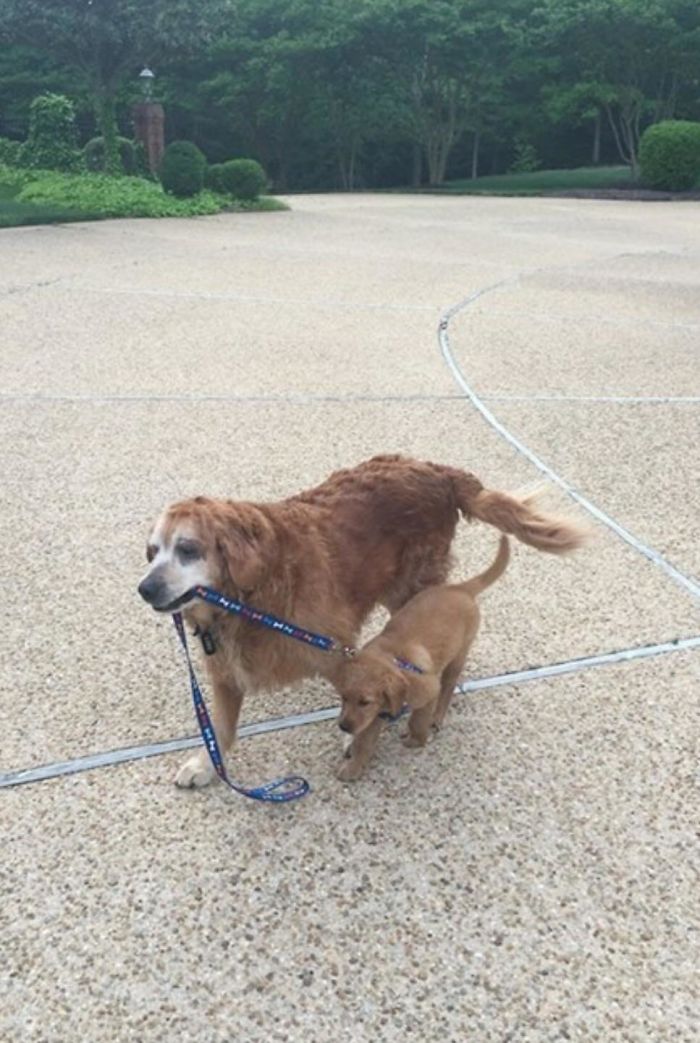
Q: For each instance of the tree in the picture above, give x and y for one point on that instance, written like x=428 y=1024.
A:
x=107 y=39
x=628 y=56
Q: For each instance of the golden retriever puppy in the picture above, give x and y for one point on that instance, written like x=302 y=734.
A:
x=373 y=534
x=415 y=661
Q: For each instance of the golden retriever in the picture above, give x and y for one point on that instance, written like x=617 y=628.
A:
x=415 y=661
x=373 y=534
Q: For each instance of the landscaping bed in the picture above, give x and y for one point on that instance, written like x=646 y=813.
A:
x=46 y=197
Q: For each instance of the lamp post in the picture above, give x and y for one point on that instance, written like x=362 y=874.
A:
x=146 y=78
x=149 y=121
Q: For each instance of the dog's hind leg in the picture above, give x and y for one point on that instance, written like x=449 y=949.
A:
x=198 y=770
x=450 y=676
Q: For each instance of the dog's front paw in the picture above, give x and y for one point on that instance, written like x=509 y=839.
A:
x=348 y=771
x=195 y=772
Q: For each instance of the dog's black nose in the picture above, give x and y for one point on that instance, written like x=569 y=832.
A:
x=151 y=589
x=344 y=726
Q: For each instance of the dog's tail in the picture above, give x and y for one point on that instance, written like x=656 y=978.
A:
x=479 y=583
x=517 y=516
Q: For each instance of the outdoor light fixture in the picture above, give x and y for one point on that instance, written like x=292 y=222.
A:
x=146 y=77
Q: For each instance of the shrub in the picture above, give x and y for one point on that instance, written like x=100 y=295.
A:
x=51 y=144
x=182 y=169
x=525 y=160
x=10 y=152
x=94 y=155
x=105 y=196
x=669 y=155
x=213 y=178
x=242 y=178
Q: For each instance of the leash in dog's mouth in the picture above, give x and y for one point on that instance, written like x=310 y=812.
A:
x=280 y=790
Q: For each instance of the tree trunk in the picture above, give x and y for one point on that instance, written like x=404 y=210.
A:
x=351 y=165
x=106 y=116
x=417 y=172
x=475 y=154
x=596 y=139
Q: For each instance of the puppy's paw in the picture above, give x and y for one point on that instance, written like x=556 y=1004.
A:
x=412 y=742
x=195 y=772
x=348 y=771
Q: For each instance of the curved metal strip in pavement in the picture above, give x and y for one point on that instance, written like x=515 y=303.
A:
x=276 y=724
x=687 y=582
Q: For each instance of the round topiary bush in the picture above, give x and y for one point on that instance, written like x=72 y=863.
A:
x=213 y=177
x=182 y=169
x=51 y=144
x=242 y=178
x=94 y=155
x=669 y=155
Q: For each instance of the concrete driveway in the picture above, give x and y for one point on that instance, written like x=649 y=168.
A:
x=534 y=874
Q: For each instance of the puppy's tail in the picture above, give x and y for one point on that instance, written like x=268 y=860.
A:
x=517 y=516
x=479 y=583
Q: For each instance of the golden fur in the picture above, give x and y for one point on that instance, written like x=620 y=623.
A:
x=434 y=631
x=373 y=534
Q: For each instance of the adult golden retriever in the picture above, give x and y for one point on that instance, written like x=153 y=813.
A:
x=373 y=534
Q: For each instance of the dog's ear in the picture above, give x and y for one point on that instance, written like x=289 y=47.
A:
x=245 y=544
x=393 y=689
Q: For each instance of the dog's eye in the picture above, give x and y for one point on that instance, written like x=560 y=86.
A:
x=151 y=552
x=188 y=550
x=363 y=702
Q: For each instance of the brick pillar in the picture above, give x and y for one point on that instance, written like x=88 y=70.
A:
x=149 y=128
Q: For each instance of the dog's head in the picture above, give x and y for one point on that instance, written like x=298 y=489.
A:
x=368 y=685
x=204 y=542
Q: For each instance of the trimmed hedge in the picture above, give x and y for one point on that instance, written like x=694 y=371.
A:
x=669 y=155
x=182 y=169
x=242 y=178
x=212 y=177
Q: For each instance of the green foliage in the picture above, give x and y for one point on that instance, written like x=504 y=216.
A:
x=51 y=144
x=10 y=152
x=213 y=178
x=15 y=177
x=669 y=155
x=182 y=169
x=525 y=159
x=94 y=155
x=114 y=196
x=326 y=93
x=241 y=178
x=106 y=40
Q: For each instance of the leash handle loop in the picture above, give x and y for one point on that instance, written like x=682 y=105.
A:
x=277 y=792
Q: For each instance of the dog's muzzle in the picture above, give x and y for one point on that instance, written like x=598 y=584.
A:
x=155 y=592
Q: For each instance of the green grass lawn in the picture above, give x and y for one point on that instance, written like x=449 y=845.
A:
x=14 y=213
x=540 y=182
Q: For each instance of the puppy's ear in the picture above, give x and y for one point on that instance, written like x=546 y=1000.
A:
x=246 y=546
x=394 y=687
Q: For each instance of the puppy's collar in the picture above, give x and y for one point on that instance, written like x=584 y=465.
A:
x=406 y=664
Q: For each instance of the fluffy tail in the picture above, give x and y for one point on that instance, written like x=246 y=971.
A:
x=517 y=516
x=479 y=583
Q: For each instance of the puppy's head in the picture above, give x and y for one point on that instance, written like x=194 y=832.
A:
x=368 y=685
x=203 y=542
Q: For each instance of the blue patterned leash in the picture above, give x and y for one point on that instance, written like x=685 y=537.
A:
x=278 y=792
x=272 y=622
x=292 y=787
